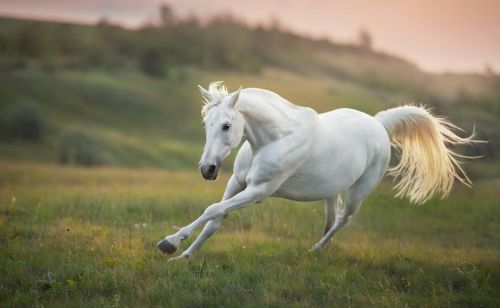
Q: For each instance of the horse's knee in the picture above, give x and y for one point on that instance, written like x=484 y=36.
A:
x=213 y=212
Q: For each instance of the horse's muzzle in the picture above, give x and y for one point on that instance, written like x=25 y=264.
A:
x=209 y=172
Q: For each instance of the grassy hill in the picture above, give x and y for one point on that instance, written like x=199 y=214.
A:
x=128 y=116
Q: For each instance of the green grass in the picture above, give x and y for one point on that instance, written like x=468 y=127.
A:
x=140 y=121
x=86 y=237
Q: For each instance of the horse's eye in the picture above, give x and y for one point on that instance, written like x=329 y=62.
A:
x=226 y=126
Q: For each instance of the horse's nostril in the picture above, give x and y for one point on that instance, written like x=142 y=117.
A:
x=209 y=172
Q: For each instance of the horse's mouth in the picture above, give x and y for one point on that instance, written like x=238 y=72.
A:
x=213 y=177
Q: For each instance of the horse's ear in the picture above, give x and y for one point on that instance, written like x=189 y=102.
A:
x=206 y=95
x=234 y=97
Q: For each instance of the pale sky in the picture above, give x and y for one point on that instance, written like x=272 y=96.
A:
x=438 y=35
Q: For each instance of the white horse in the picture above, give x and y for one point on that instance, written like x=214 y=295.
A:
x=294 y=153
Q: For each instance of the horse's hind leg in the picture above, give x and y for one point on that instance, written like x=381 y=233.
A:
x=331 y=207
x=353 y=198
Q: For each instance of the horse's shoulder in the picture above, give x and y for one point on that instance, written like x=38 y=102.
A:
x=243 y=163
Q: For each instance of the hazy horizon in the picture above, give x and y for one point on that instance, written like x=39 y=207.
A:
x=464 y=39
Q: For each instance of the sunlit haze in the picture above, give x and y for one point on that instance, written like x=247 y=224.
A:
x=438 y=35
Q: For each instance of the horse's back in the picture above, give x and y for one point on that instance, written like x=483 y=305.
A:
x=354 y=124
x=352 y=135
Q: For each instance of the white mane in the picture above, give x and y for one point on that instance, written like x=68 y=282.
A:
x=218 y=91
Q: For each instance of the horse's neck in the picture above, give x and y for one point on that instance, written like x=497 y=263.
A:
x=268 y=119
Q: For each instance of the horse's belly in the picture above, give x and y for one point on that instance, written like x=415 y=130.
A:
x=319 y=181
x=297 y=192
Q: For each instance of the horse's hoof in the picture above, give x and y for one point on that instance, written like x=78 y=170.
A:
x=180 y=257
x=166 y=247
x=316 y=247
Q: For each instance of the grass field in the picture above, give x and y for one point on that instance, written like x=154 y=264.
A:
x=86 y=237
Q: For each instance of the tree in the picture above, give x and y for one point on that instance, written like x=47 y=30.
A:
x=365 y=39
x=489 y=71
x=167 y=17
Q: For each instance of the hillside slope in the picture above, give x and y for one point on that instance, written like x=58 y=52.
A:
x=130 y=117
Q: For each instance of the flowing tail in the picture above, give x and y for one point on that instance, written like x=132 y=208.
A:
x=426 y=166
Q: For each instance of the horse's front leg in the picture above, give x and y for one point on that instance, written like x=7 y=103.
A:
x=232 y=188
x=252 y=193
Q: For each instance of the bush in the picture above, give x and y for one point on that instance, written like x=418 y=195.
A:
x=23 y=121
x=153 y=63
x=80 y=148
